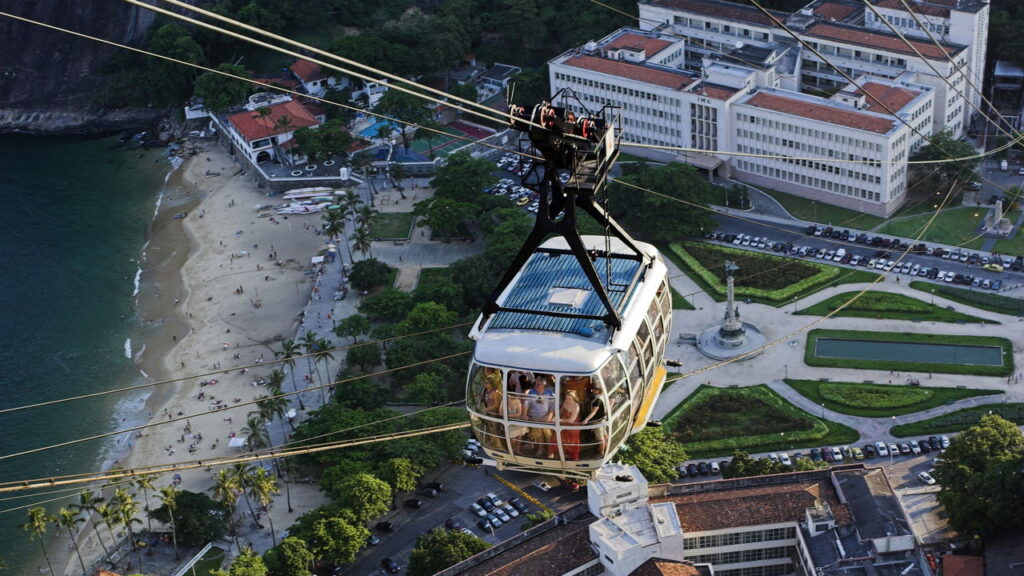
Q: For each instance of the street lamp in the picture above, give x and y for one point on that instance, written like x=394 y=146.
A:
x=933 y=296
x=823 y=410
x=786 y=367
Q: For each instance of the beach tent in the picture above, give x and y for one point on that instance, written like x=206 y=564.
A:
x=317 y=260
x=237 y=442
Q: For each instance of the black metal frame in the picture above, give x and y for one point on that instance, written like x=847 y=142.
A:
x=575 y=169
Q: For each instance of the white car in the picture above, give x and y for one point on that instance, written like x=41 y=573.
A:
x=500 y=513
x=926 y=477
x=510 y=510
x=837 y=454
x=881 y=449
x=894 y=449
x=494 y=499
x=944 y=440
x=784 y=458
x=543 y=486
x=478 y=510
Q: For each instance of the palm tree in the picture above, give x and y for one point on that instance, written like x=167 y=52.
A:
x=36 y=528
x=274 y=381
x=127 y=509
x=289 y=350
x=310 y=342
x=363 y=162
x=398 y=174
x=256 y=433
x=290 y=470
x=69 y=520
x=263 y=486
x=243 y=473
x=363 y=242
x=225 y=489
x=323 y=354
x=145 y=482
x=168 y=495
x=108 y=515
x=89 y=502
x=366 y=217
x=272 y=407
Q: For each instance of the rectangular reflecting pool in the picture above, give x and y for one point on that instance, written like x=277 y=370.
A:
x=909 y=352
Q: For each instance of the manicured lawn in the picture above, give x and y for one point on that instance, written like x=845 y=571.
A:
x=717 y=421
x=981 y=299
x=393 y=225
x=812 y=211
x=679 y=302
x=210 y=561
x=887 y=305
x=879 y=400
x=908 y=366
x=956 y=226
x=1014 y=247
x=959 y=420
x=807 y=277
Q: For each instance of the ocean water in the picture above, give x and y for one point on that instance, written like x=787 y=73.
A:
x=74 y=220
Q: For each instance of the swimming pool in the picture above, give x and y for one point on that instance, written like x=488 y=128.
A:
x=371 y=130
x=909 y=352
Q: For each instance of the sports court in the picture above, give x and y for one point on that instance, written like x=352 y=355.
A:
x=460 y=134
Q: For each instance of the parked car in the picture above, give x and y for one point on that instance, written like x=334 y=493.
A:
x=494 y=499
x=815 y=455
x=869 y=451
x=784 y=459
x=914 y=448
x=925 y=448
x=414 y=503
x=837 y=455
x=385 y=527
x=522 y=508
x=372 y=540
x=904 y=448
x=927 y=478
x=494 y=520
x=944 y=441
x=484 y=525
x=826 y=454
x=933 y=441
x=390 y=566
x=485 y=504
x=501 y=514
x=682 y=470
x=883 y=450
x=452 y=524
x=478 y=510
x=714 y=468
x=894 y=450
x=692 y=470
x=428 y=492
x=510 y=510
x=703 y=468
x=857 y=453
x=543 y=486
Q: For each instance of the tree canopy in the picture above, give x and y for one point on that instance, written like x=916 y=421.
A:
x=197 y=518
x=219 y=92
x=289 y=558
x=982 y=478
x=439 y=549
x=369 y=273
x=654 y=454
x=943 y=146
x=666 y=212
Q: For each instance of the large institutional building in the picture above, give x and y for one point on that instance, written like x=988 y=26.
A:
x=735 y=83
x=844 y=521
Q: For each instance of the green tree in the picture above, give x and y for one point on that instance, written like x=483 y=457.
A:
x=337 y=540
x=982 y=478
x=263 y=486
x=465 y=91
x=442 y=289
x=38 y=518
x=225 y=489
x=426 y=316
x=363 y=393
x=943 y=146
x=248 y=564
x=538 y=517
x=368 y=274
x=365 y=495
x=661 y=216
x=127 y=510
x=362 y=241
x=69 y=521
x=426 y=388
x=108 y=515
x=463 y=177
x=388 y=305
x=400 y=473
x=443 y=215
x=194 y=517
x=654 y=454
x=169 y=498
x=289 y=558
x=219 y=92
x=742 y=466
x=365 y=356
x=165 y=82
x=145 y=483
x=256 y=435
x=353 y=327
x=439 y=549
x=404 y=106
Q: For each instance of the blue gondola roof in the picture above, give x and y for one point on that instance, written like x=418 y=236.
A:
x=543 y=273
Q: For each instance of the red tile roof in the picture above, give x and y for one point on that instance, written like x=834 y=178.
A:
x=877 y=40
x=882 y=96
x=289 y=83
x=834 y=11
x=770 y=504
x=668 y=79
x=638 y=43
x=306 y=70
x=956 y=565
x=659 y=567
x=556 y=551
x=253 y=127
x=722 y=10
x=714 y=91
x=917 y=7
x=821 y=113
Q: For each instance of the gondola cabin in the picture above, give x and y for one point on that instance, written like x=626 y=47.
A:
x=552 y=389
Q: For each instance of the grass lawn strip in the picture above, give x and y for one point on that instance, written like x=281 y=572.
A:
x=981 y=299
x=393 y=225
x=959 y=420
x=952 y=339
x=679 y=302
x=954 y=226
x=723 y=419
x=880 y=393
x=812 y=211
x=715 y=287
x=889 y=306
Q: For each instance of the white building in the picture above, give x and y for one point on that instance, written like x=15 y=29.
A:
x=315 y=81
x=736 y=107
x=264 y=130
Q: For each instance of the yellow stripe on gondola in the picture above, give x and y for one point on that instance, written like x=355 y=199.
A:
x=649 y=399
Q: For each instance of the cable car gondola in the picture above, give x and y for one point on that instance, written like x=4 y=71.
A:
x=569 y=354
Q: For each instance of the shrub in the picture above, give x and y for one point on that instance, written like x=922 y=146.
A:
x=873 y=395
x=960 y=420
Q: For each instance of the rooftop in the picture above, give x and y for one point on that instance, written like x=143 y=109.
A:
x=873 y=505
x=715 y=91
x=659 y=567
x=500 y=72
x=307 y=71
x=821 y=112
x=885 y=96
x=555 y=551
x=721 y=10
x=638 y=43
x=879 y=40
x=956 y=565
x=253 y=126
x=834 y=10
x=738 y=503
x=923 y=8
x=674 y=79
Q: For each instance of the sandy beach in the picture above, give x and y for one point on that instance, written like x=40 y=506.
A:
x=229 y=288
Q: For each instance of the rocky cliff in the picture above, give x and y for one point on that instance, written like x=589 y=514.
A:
x=47 y=77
